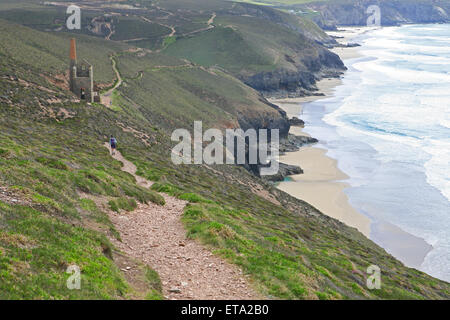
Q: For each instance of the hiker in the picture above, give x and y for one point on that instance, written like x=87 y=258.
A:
x=113 y=144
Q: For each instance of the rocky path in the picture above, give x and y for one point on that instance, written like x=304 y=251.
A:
x=172 y=28
x=211 y=20
x=209 y=26
x=106 y=98
x=188 y=270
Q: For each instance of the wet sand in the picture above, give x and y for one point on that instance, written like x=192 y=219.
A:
x=322 y=185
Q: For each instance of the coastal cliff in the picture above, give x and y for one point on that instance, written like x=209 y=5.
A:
x=299 y=80
x=277 y=53
x=276 y=119
x=395 y=12
x=65 y=201
x=295 y=23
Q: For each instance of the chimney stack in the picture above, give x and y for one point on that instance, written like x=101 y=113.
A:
x=73 y=50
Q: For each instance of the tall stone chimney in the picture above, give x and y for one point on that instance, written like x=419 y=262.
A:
x=73 y=49
x=81 y=76
x=73 y=64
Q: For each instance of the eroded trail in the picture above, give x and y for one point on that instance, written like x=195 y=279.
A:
x=188 y=270
x=106 y=98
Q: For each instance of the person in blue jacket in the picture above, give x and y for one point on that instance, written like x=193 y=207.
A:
x=113 y=144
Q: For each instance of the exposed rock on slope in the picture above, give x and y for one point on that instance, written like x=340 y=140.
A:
x=266 y=120
x=287 y=247
x=298 y=81
x=187 y=269
x=293 y=22
x=393 y=12
x=276 y=53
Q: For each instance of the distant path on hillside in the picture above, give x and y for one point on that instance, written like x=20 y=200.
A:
x=172 y=28
x=111 y=32
x=155 y=235
x=211 y=20
x=106 y=98
x=210 y=26
x=173 y=31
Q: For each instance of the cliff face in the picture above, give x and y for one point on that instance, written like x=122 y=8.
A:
x=258 y=227
x=301 y=80
x=303 y=61
x=277 y=53
x=393 y=12
x=266 y=120
x=292 y=22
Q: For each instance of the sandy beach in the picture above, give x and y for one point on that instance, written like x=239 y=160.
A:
x=323 y=183
x=320 y=186
x=346 y=36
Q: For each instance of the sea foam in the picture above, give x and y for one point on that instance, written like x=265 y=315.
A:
x=388 y=124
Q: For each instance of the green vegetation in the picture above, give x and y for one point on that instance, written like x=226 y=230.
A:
x=246 y=45
x=122 y=204
x=279 y=2
x=48 y=163
x=18 y=4
x=177 y=192
x=125 y=27
x=173 y=92
x=28 y=52
x=279 y=253
x=193 y=198
x=224 y=47
x=155 y=285
x=55 y=166
x=52 y=231
x=169 y=40
x=36 y=249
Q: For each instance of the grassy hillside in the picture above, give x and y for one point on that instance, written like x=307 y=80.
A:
x=46 y=162
x=278 y=2
x=244 y=39
x=51 y=154
x=226 y=48
x=255 y=49
x=49 y=51
x=330 y=13
x=243 y=45
x=126 y=26
x=170 y=92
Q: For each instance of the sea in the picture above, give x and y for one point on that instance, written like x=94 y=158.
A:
x=388 y=125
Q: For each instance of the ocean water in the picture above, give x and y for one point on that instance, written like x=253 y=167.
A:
x=388 y=125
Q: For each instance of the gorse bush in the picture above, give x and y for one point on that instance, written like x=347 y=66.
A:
x=126 y=204
x=55 y=166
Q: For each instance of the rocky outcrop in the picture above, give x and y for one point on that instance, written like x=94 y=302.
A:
x=282 y=82
x=310 y=31
x=300 y=82
x=290 y=144
x=101 y=25
x=265 y=120
x=296 y=122
x=285 y=170
x=294 y=143
x=300 y=57
x=393 y=12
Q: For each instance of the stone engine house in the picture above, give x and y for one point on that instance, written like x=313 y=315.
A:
x=81 y=77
